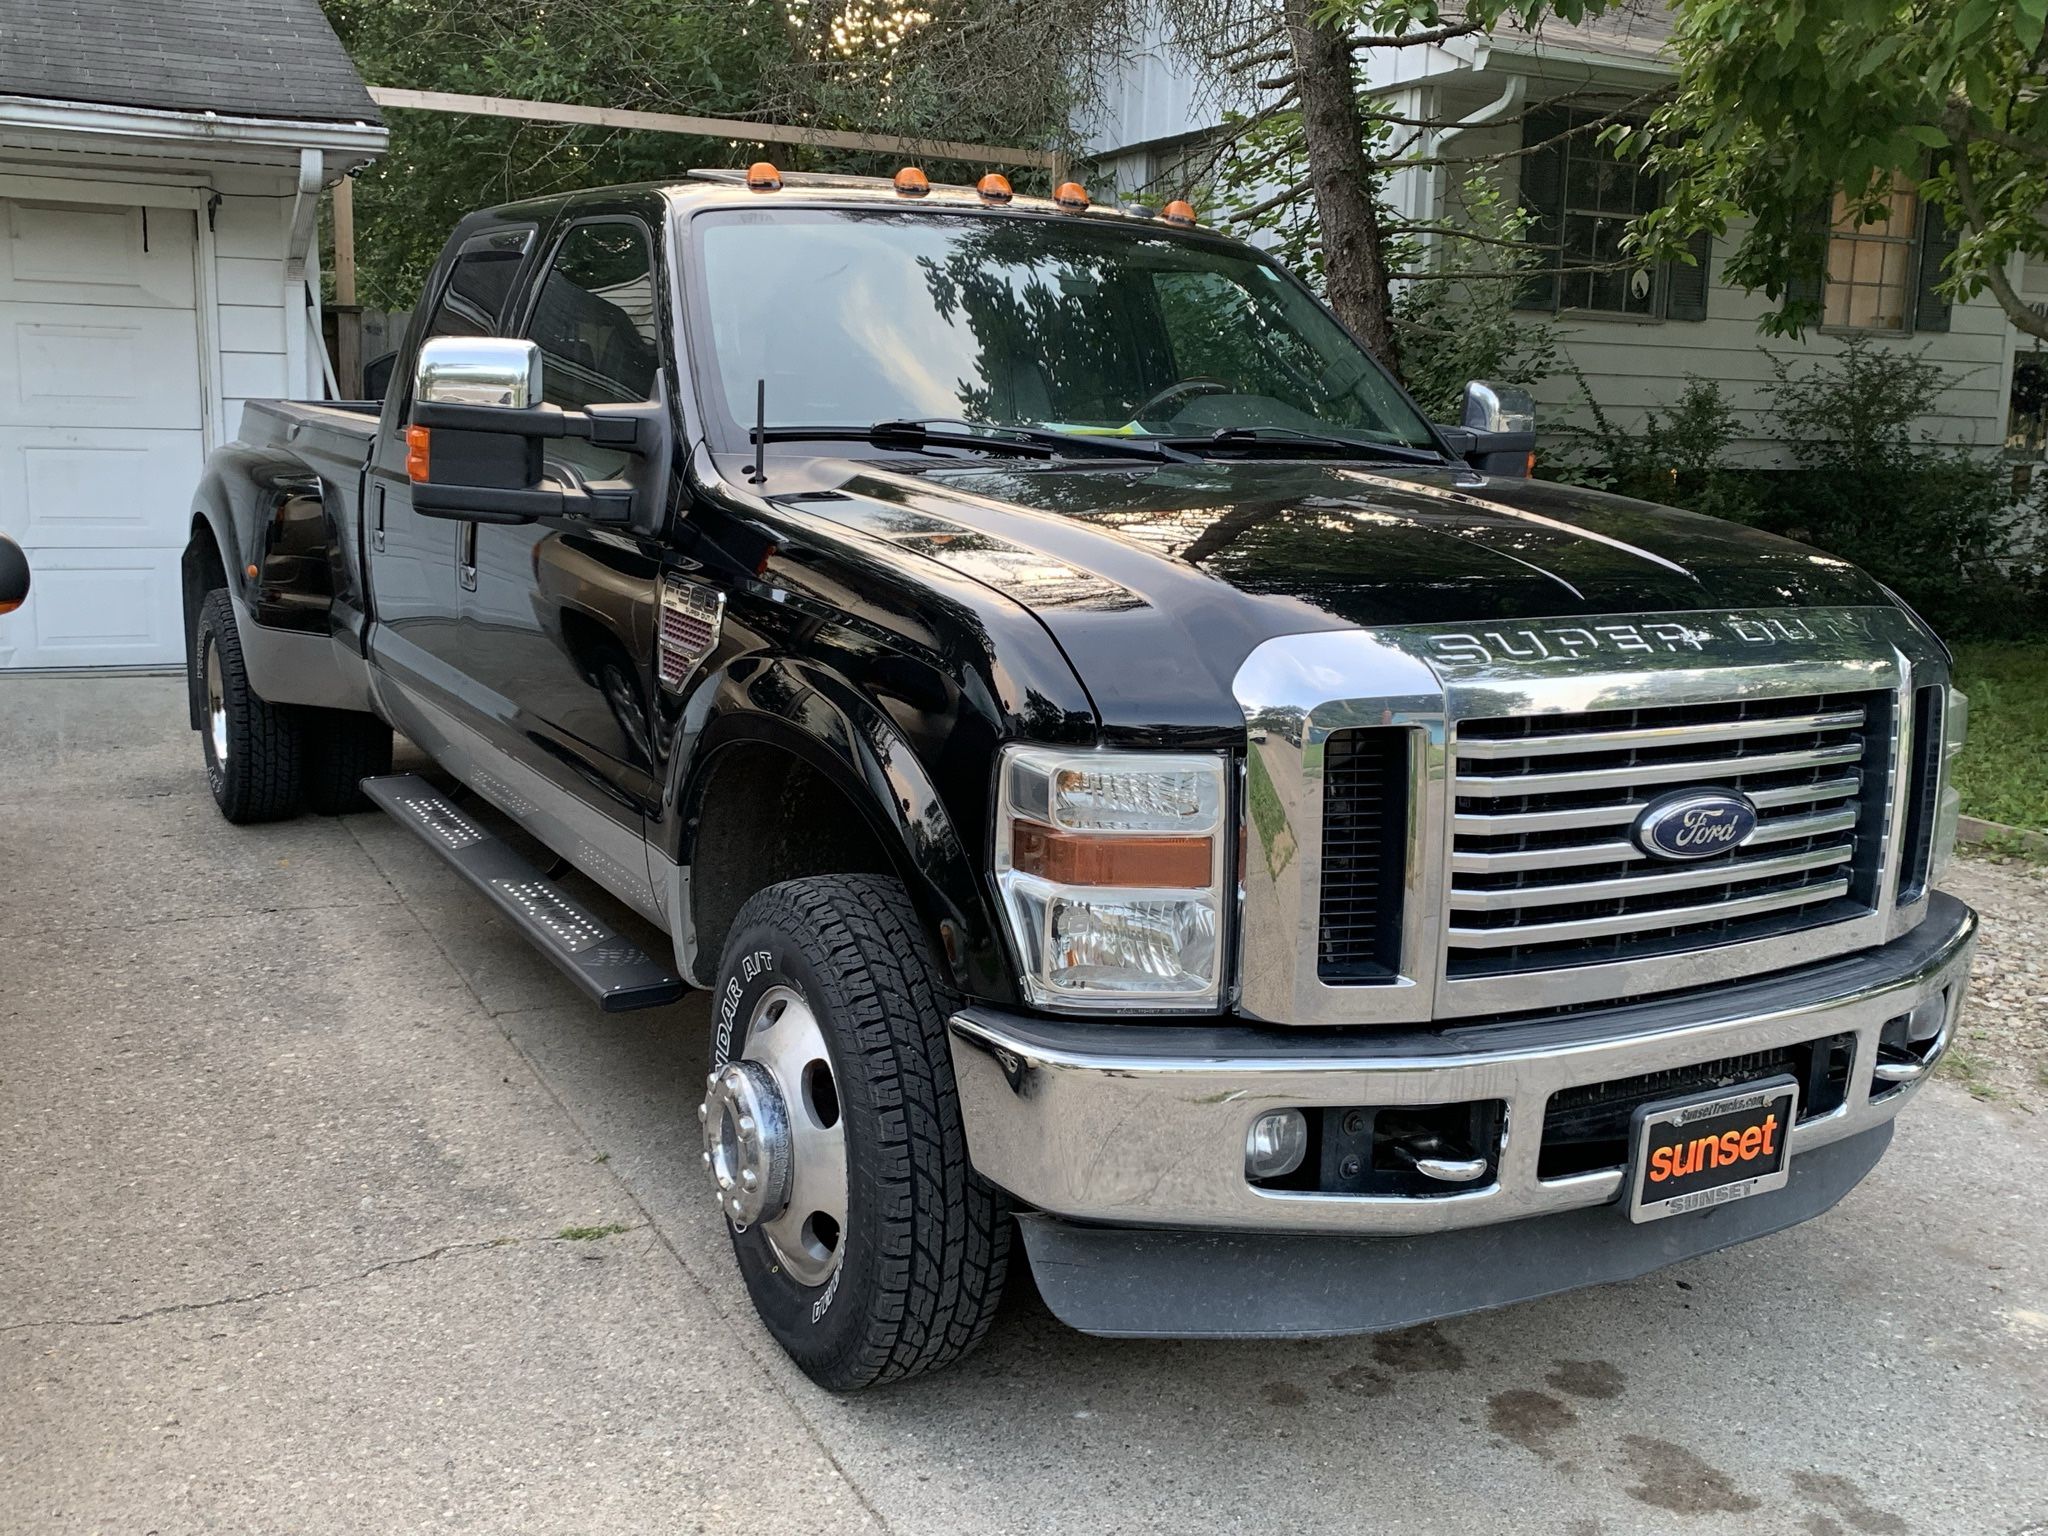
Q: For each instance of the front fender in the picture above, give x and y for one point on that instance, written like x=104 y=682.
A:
x=808 y=711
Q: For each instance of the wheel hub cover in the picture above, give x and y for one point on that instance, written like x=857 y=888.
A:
x=747 y=1144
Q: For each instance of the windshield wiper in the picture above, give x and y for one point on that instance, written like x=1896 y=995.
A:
x=940 y=432
x=1295 y=438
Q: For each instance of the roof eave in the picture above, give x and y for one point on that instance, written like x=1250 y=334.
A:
x=1519 y=53
x=350 y=142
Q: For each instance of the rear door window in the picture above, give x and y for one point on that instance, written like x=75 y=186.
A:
x=473 y=301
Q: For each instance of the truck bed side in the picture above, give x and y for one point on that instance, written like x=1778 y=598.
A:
x=277 y=521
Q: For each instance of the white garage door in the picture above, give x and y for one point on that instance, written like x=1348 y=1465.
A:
x=100 y=427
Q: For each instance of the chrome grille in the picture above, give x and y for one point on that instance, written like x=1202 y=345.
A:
x=1544 y=873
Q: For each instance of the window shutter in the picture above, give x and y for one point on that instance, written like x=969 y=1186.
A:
x=1805 y=286
x=1685 y=287
x=1543 y=199
x=1936 y=242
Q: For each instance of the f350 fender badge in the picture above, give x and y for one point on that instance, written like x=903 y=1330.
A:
x=1694 y=824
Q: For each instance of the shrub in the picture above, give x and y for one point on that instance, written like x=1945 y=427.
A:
x=1933 y=521
x=1454 y=330
x=1936 y=523
x=1676 y=458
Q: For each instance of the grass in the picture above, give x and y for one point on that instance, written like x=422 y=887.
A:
x=590 y=1234
x=2003 y=772
x=1969 y=1073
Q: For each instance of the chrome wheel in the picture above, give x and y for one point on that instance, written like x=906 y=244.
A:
x=216 y=703
x=774 y=1139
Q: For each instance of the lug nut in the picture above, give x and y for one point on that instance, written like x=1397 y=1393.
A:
x=703 y=1113
x=707 y=1158
x=746 y=1125
x=749 y=1178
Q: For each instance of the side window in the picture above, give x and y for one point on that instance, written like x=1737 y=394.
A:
x=473 y=303
x=594 y=319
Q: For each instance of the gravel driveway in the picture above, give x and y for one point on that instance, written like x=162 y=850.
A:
x=2002 y=1052
x=331 y=1208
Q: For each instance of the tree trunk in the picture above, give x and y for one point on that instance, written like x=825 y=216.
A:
x=1354 y=261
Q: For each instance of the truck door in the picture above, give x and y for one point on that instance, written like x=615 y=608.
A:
x=556 y=634
x=412 y=559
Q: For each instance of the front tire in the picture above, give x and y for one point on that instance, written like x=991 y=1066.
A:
x=871 y=1249
x=252 y=746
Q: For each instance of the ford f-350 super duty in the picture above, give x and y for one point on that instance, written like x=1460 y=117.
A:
x=1129 y=784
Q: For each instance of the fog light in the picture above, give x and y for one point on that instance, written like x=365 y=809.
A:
x=1276 y=1144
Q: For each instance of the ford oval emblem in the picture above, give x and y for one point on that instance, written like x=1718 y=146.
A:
x=1694 y=824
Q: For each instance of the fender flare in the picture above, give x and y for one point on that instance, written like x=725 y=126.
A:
x=211 y=523
x=820 y=718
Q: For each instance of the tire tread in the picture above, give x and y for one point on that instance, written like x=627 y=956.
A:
x=945 y=1243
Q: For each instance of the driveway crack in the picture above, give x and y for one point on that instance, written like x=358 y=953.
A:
x=170 y=1309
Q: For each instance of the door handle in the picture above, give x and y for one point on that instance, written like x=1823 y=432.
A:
x=465 y=557
x=377 y=533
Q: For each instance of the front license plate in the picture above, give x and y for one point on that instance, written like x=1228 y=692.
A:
x=1710 y=1148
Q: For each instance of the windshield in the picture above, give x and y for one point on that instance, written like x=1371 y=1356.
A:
x=854 y=317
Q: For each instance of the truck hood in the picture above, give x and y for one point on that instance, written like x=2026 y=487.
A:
x=1158 y=581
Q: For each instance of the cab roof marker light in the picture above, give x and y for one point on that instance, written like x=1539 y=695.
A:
x=911 y=182
x=1180 y=211
x=1071 y=195
x=763 y=177
x=994 y=188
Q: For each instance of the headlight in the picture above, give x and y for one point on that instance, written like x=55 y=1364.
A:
x=1111 y=869
x=1955 y=720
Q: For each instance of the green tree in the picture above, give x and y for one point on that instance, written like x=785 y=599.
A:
x=649 y=55
x=1782 y=102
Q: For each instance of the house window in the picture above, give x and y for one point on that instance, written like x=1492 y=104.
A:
x=1603 y=192
x=1582 y=195
x=1870 y=266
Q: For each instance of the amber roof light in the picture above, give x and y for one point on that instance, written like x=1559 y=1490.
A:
x=763 y=177
x=1071 y=194
x=1180 y=211
x=911 y=182
x=994 y=188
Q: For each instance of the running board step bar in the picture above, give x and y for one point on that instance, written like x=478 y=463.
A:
x=614 y=971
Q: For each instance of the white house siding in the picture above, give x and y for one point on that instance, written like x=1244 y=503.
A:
x=1635 y=365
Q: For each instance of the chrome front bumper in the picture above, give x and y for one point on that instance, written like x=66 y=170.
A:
x=1145 y=1124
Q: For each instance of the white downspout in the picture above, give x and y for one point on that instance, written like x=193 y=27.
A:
x=1509 y=102
x=300 y=293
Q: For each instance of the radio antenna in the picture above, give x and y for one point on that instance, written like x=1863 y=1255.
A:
x=760 y=473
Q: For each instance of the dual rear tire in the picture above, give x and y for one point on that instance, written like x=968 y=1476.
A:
x=265 y=761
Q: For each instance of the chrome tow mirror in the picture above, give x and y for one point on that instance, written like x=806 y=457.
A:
x=478 y=370
x=1497 y=408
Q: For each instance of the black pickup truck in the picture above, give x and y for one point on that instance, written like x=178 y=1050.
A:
x=1127 y=780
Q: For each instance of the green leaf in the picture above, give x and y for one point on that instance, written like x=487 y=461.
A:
x=2029 y=23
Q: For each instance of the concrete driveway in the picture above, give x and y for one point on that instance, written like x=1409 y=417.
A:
x=305 y=1158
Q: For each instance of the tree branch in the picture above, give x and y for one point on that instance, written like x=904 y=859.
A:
x=2018 y=310
x=1442 y=34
